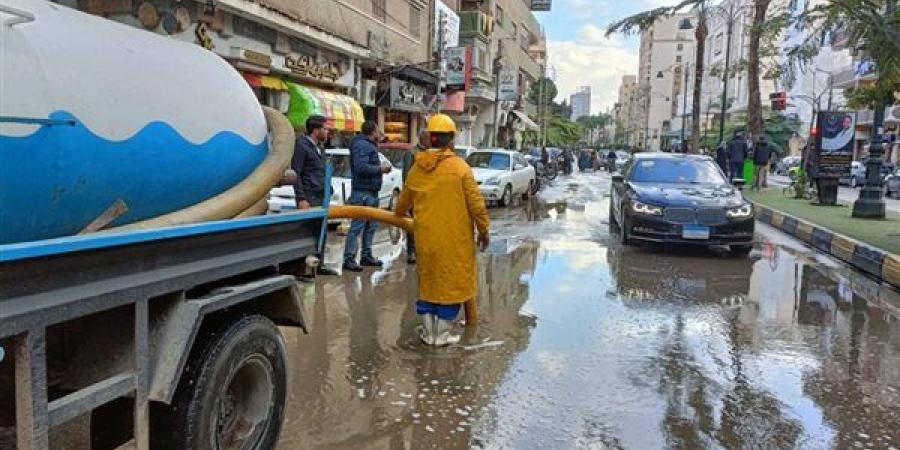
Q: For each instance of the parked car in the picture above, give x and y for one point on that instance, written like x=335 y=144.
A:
x=281 y=198
x=857 y=175
x=463 y=151
x=892 y=184
x=666 y=197
x=783 y=166
x=622 y=157
x=502 y=174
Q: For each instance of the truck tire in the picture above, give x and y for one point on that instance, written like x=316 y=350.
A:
x=232 y=394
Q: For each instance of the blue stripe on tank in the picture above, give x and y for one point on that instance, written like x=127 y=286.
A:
x=58 y=179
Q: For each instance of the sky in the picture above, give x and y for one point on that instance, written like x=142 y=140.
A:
x=580 y=53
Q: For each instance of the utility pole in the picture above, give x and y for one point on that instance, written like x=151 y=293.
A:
x=440 y=50
x=498 y=66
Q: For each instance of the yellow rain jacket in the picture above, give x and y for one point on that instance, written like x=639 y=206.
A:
x=447 y=206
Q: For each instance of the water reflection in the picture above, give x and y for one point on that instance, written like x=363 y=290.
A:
x=361 y=380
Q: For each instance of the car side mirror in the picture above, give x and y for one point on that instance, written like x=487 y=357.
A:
x=617 y=178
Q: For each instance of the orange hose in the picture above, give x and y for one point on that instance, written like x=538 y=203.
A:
x=369 y=213
x=388 y=217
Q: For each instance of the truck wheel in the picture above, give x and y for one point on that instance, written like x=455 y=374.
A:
x=232 y=393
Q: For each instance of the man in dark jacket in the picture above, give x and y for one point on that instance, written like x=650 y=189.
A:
x=308 y=163
x=409 y=160
x=722 y=157
x=737 y=153
x=761 y=155
x=366 y=172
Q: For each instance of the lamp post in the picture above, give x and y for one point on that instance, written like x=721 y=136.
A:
x=687 y=70
x=731 y=15
x=498 y=66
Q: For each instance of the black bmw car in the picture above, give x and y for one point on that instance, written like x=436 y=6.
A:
x=665 y=197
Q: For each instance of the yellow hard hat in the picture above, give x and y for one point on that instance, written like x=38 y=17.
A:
x=441 y=123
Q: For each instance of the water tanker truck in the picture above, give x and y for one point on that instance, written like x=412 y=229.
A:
x=140 y=295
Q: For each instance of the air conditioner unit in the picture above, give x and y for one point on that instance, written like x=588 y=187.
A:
x=892 y=114
x=369 y=94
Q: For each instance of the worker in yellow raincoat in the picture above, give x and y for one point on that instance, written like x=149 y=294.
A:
x=448 y=206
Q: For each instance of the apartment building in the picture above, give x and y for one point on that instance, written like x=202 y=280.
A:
x=627 y=112
x=580 y=102
x=508 y=48
x=666 y=53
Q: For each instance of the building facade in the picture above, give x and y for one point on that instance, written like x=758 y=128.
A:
x=666 y=53
x=508 y=55
x=627 y=112
x=581 y=102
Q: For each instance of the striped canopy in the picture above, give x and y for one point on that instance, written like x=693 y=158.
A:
x=341 y=112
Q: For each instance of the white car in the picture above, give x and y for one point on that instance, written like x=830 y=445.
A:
x=502 y=174
x=463 y=151
x=281 y=198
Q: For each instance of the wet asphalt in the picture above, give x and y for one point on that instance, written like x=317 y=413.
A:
x=585 y=344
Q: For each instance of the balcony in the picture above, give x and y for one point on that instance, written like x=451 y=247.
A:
x=475 y=24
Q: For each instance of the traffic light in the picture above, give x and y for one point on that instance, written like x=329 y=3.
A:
x=778 y=100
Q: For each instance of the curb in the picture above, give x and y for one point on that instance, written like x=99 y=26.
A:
x=874 y=261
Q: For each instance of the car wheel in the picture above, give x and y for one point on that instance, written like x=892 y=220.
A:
x=624 y=239
x=232 y=395
x=741 y=249
x=507 y=196
x=612 y=216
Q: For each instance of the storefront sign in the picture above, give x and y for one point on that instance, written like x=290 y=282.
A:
x=260 y=59
x=834 y=143
x=306 y=66
x=459 y=68
x=402 y=95
x=509 y=89
x=446 y=21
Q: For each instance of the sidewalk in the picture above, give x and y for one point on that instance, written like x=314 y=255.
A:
x=872 y=246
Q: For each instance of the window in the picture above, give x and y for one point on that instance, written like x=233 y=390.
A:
x=498 y=16
x=415 y=18
x=718 y=44
x=679 y=47
x=678 y=58
x=379 y=9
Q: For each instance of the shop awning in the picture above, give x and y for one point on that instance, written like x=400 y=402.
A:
x=341 y=112
x=526 y=120
x=264 y=81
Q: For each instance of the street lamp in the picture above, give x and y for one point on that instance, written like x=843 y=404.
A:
x=731 y=15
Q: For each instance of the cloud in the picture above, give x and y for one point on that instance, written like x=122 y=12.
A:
x=591 y=61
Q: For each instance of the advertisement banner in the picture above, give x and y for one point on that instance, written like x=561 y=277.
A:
x=834 y=143
x=446 y=21
x=509 y=86
x=459 y=68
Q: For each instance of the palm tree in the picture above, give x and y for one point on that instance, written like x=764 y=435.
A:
x=644 y=20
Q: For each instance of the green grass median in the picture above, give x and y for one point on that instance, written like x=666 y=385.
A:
x=884 y=234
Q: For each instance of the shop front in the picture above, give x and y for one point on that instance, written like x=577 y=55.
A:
x=402 y=100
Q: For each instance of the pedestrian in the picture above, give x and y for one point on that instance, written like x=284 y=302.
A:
x=366 y=171
x=737 y=153
x=722 y=157
x=442 y=195
x=409 y=160
x=611 y=161
x=308 y=164
x=761 y=155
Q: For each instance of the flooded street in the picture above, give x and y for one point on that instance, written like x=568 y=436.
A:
x=584 y=344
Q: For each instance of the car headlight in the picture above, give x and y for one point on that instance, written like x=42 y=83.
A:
x=740 y=212
x=492 y=181
x=644 y=208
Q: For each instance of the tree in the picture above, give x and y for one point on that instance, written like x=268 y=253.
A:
x=754 y=102
x=642 y=21
x=594 y=123
x=544 y=86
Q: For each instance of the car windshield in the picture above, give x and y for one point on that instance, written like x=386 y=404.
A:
x=685 y=171
x=460 y=151
x=395 y=156
x=486 y=160
x=341 y=164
